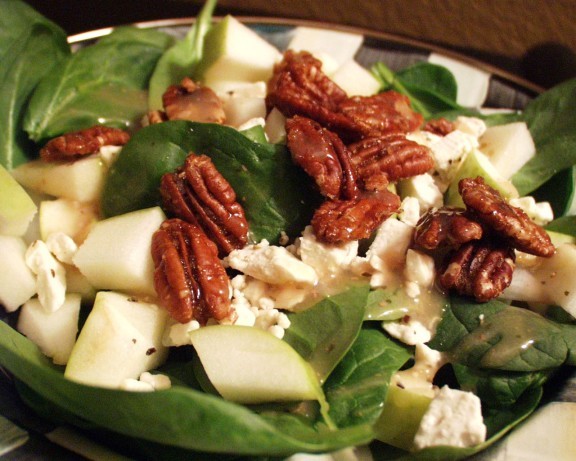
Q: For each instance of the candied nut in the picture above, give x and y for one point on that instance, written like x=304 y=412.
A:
x=199 y=194
x=339 y=221
x=380 y=114
x=156 y=116
x=510 y=222
x=446 y=226
x=439 y=126
x=189 y=278
x=323 y=156
x=389 y=158
x=72 y=146
x=479 y=269
x=193 y=102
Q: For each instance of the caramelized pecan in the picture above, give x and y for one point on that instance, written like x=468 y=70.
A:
x=380 y=114
x=446 y=227
x=72 y=146
x=338 y=221
x=156 y=116
x=323 y=156
x=199 y=194
x=389 y=158
x=189 y=101
x=190 y=280
x=479 y=269
x=511 y=223
x=439 y=126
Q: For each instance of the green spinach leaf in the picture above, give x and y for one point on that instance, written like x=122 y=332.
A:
x=323 y=333
x=30 y=48
x=564 y=225
x=275 y=194
x=357 y=388
x=181 y=59
x=101 y=84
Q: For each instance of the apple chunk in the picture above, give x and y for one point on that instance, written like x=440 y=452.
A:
x=249 y=365
x=53 y=332
x=116 y=254
x=122 y=338
x=17 y=282
x=17 y=209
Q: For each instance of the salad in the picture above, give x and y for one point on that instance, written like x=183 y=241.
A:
x=321 y=334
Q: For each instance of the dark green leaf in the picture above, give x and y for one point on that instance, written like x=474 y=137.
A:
x=101 y=84
x=180 y=60
x=324 y=333
x=564 y=225
x=560 y=192
x=357 y=388
x=275 y=193
x=30 y=48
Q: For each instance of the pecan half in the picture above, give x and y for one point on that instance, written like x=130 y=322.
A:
x=446 y=227
x=389 y=158
x=156 y=116
x=479 y=269
x=439 y=126
x=190 y=101
x=197 y=193
x=323 y=156
x=338 y=221
x=189 y=278
x=380 y=114
x=75 y=145
x=508 y=221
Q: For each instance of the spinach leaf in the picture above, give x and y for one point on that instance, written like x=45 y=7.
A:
x=564 y=225
x=30 y=48
x=180 y=60
x=275 y=194
x=323 y=333
x=357 y=388
x=185 y=414
x=102 y=83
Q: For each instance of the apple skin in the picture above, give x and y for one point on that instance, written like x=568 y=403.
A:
x=121 y=339
x=53 y=332
x=17 y=209
x=116 y=254
x=248 y=365
x=18 y=284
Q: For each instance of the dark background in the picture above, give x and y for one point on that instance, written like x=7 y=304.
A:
x=534 y=39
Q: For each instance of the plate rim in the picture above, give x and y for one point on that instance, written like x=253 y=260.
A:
x=492 y=69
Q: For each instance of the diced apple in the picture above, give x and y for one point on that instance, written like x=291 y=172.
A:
x=249 y=365
x=121 y=338
x=525 y=286
x=339 y=46
x=244 y=102
x=556 y=274
x=559 y=238
x=275 y=126
x=508 y=147
x=53 y=332
x=17 y=209
x=76 y=282
x=17 y=282
x=116 y=254
x=233 y=49
x=71 y=217
x=477 y=164
x=81 y=180
x=355 y=79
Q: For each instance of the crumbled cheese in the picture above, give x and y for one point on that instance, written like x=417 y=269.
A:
x=251 y=123
x=134 y=385
x=410 y=331
x=424 y=189
x=449 y=152
x=62 y=246
x=420 y=376
x=178 y=334
x=539 y=212
x=109 y=154
x=419 y=268
x=50 y=275
x=470 y=125
x=409 y=211
x=271 y=264
x=454 y=418
x=157 y=381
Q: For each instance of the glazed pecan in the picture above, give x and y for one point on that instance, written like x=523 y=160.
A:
x=75 y=145
x=323 y=156
x=156 y=116
x=189 y=278
x=338 y=221
x=380 y=114
x=197 y=193
x=446 y=227
x=511 y=223
x=189 y=101
x=479 y=269
x=439 y=126
x=389 y=158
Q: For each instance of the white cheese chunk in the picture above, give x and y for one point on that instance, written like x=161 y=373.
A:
x=62 y=246
x=157 y=381
x=419 y=268
x=454 y=418
x=410 y=331
x=178 y=334
x=470 y=125
x=540 y=212
x=424 y=189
